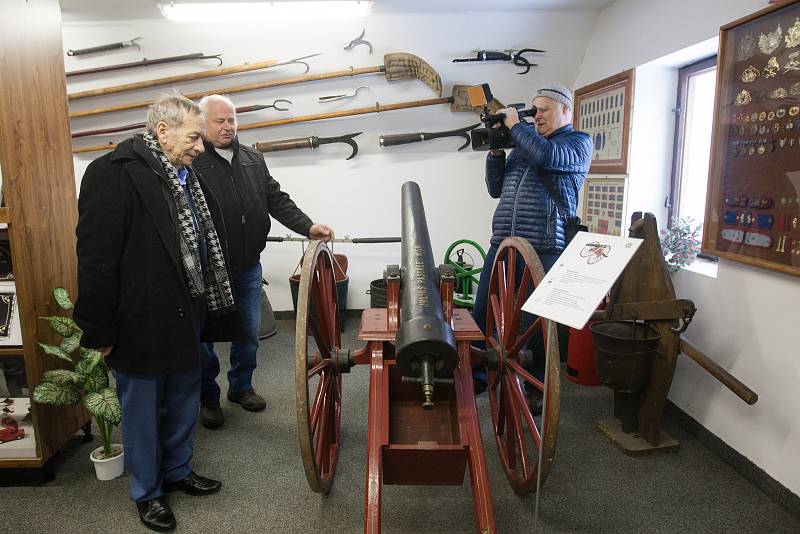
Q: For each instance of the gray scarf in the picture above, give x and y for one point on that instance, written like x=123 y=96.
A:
x=215 y=285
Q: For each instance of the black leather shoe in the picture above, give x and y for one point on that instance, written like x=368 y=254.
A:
x=156 y=514
x=194 y=484
x=249 y=399
x=211 y=415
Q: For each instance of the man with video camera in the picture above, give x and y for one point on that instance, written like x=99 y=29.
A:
x=537 y=184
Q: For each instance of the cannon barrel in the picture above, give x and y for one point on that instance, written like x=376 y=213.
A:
x=425 y=343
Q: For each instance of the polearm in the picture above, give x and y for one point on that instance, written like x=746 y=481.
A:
x=404 y=139
x=213 y=73
x=139 y=125
x=146 y=63
x=396 y=66
x=311 y=142
x=459 y=102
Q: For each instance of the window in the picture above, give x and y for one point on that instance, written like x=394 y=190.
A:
x=695 y=115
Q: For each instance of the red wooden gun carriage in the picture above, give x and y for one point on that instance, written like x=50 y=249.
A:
x=423 y=420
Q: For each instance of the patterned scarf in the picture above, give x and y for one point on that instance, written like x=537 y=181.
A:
x=215 y=284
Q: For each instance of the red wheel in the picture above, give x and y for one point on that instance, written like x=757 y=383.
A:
x=317 y=341
x=519 y=434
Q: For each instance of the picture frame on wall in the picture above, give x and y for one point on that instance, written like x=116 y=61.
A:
x=604 y=204
x=603 y=110
x=753 y=200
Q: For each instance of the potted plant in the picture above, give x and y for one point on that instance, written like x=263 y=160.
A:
x=681 y=243
x=88 y=381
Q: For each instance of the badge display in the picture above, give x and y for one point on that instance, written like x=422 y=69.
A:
x=755 y=155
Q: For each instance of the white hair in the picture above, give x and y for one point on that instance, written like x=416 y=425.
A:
x=171 y=108
x=204 y=102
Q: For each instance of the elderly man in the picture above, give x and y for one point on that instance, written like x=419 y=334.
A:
x=151 y=271
x=537 y=184
x=249 y=195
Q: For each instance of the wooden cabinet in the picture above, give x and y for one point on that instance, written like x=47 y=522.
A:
x=39 y=192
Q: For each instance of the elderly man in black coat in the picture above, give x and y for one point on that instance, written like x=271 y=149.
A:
x=152 y=276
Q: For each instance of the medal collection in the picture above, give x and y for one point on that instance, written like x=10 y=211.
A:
x=762 y=138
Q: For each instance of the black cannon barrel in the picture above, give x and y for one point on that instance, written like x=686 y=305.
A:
x=425 y=343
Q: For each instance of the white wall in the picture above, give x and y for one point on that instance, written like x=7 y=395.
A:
x=360 y=197
x=747 y=317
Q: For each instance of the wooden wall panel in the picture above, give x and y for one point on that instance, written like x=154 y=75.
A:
x=39 y=187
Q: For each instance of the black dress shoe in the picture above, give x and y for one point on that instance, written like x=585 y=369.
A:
x=194 y=484
x=156 y=514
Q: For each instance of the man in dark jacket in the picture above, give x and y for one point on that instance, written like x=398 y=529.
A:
x=151 y=269
x=238 y=177
x=537 y=184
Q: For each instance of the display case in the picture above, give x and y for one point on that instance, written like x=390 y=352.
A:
x=753 y=203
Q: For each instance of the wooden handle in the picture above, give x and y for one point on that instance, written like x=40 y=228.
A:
x=285 y=144
x=731 y=382
x=213 y=73
x=400 y=139
x=377 y=108
x=236 y=89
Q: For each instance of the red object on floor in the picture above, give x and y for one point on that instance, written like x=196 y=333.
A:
x=581 y=363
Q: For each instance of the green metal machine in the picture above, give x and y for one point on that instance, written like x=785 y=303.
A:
x=466 y=272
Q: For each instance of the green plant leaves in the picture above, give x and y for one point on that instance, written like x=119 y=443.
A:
x=104 y=405
x=69 y=344
x=56 y=351
x=57 y=394
x=60 y=377
x=62 y=297
x=64 y=326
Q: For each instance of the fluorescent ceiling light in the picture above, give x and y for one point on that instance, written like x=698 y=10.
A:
x=217 y=11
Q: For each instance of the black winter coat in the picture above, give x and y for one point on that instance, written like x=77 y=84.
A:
x=249 y=195
x=132 y=292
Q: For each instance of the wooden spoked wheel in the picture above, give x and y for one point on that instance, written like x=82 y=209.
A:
x=317 y=343
x=519 y=434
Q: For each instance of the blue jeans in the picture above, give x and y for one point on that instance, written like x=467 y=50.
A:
x=481 y=300
x=246 y=286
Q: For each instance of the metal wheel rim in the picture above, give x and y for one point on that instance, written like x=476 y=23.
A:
x=506 y=389
x=318 y=436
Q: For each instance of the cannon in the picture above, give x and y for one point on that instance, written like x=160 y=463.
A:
x=423 y=424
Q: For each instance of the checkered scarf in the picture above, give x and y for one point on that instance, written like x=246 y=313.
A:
x=215 y=284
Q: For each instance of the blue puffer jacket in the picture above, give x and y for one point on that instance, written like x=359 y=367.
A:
x=526 y=208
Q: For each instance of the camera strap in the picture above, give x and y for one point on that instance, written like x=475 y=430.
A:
x=551 y=189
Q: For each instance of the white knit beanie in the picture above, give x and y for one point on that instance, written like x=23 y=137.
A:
x=559 y=93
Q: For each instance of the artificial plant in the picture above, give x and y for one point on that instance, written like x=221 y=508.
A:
x=680 y=244
x=88 y=380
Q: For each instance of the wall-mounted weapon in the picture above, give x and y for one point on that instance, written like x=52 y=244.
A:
x=396 y=66
x=359 y=41
x=510 y=55
x=139 y=125
x=311 y=142
x=333 y=98
x=213 y=73
x=459 y=102
x=404 y=139
x=146 y=63
x=104 y=48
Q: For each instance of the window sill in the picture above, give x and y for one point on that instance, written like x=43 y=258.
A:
x=703 y=267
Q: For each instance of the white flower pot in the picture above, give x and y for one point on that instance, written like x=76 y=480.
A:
x=108 y=468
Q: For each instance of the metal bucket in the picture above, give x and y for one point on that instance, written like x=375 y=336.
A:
x=377 y=293
x=625 y=351
x=341 y=295
x=268 y=325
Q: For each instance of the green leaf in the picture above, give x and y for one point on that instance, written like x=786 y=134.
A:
x=86 y=352
x=56 y=394
x=60 y=377
x=64 y=326
x=62 y=297
x=104 y=405
x=96 y=379
x=69 y=344
x=56 y=351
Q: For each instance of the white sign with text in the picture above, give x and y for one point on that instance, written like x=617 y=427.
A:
x=581 y=278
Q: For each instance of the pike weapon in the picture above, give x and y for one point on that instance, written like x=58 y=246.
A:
x=104 y=48
x=359 y=41
x=213 y=73
x=396 y=66
x=146 y=63
x=510 y=55
x=404 y=139
x=334 y=98
x=115 y=129
x=311 y=142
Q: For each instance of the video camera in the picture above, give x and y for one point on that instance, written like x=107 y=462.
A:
x=492 y=137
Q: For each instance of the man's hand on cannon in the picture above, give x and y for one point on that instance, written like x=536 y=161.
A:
x=322 y=232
